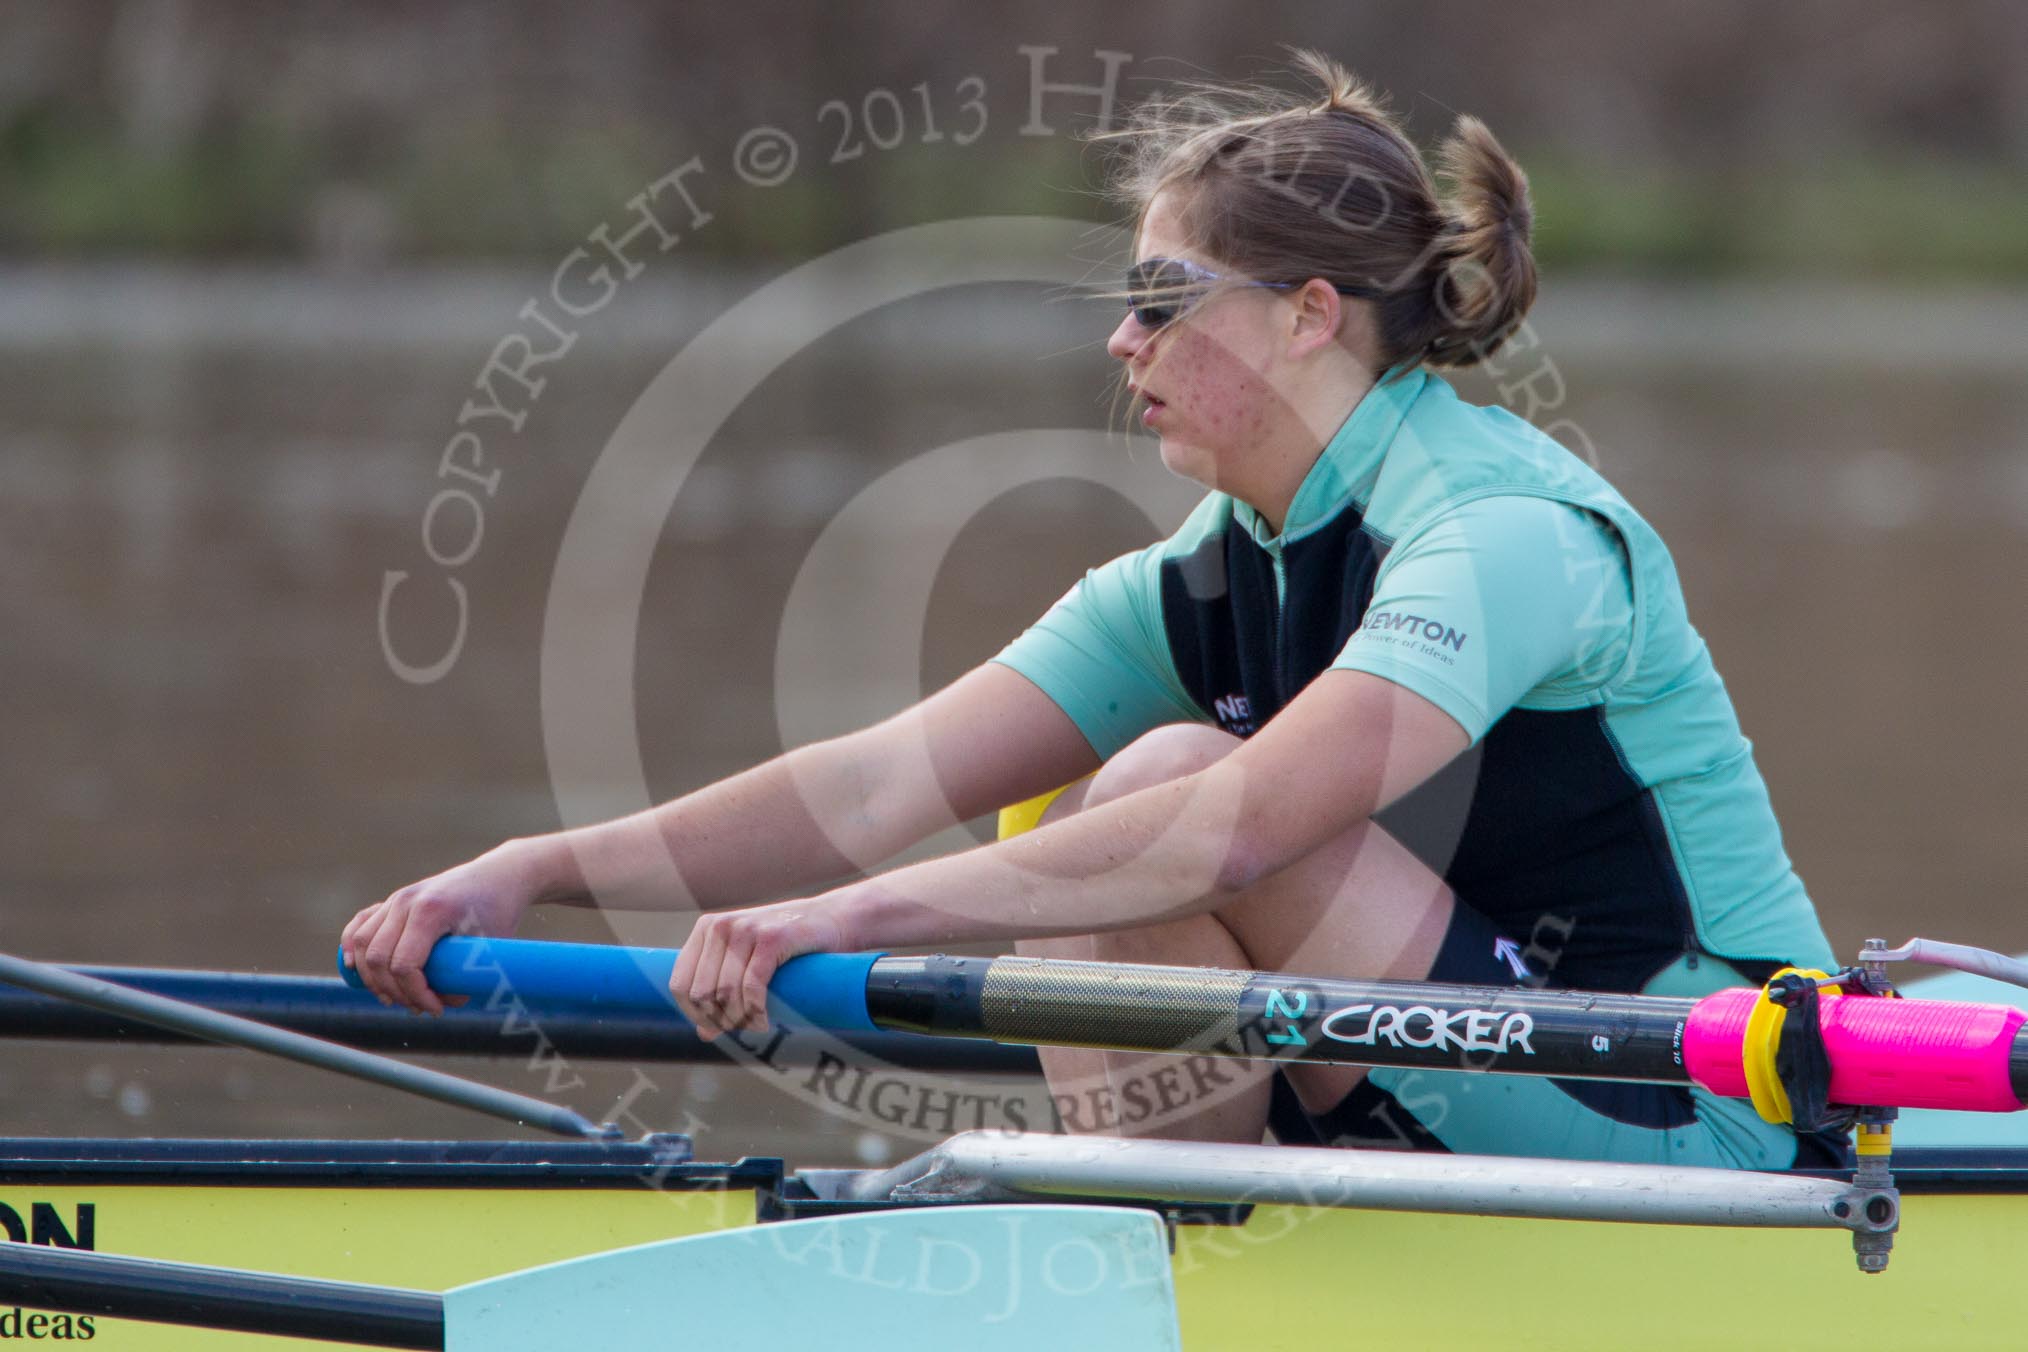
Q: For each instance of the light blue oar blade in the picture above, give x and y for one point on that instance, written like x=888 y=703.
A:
x=1929 y=1127
x=968 y=1279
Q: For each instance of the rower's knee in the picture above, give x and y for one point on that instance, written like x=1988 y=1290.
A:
x=1169 y=752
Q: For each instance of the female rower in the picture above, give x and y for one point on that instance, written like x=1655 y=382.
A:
x=1412 y=694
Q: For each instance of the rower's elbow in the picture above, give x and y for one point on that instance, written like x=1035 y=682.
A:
x=1241 y=863
x=845 y=785
x=1230 y=850
x=1254 y=848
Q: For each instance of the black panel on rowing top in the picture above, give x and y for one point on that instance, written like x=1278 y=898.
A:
x=1541 y=827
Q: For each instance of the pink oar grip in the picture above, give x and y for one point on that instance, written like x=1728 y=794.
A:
x=1884 y=1053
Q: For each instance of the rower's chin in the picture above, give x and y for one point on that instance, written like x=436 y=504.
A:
x=1190 y=461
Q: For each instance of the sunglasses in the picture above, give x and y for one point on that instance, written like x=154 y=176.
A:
x=1160 y=289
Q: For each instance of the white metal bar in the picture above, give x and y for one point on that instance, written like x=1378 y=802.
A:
x=981 y=1164
x=1960 y=957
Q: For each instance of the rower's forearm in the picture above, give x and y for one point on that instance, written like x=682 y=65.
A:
x=1158 y=855
x=796 y=823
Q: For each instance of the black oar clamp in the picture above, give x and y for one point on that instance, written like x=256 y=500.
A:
x=1802 y=1068
x=1801 y=1063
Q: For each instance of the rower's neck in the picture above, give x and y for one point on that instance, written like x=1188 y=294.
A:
x=1286 y=456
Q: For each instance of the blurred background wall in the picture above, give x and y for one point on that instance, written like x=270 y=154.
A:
x=1816 y=136
x=255 y=262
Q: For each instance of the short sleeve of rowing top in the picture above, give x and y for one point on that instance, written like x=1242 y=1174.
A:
x=1100 y=652
x=1504 y=601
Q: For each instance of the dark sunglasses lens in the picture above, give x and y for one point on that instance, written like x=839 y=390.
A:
x=1157 y=291
x=1154 y=314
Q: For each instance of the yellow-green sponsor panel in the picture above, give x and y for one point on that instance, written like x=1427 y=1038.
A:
x=1304 y=1278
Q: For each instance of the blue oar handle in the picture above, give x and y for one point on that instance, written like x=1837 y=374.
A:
x=818 y=990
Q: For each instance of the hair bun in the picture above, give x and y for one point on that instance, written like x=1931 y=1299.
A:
x=1487 y=265
x=1489 y=189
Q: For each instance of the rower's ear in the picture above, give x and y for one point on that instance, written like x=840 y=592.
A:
x=1317 y=313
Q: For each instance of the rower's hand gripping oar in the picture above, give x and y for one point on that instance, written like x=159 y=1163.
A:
x=819 y=990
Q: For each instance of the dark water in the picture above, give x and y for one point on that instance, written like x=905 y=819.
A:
x=209 y=762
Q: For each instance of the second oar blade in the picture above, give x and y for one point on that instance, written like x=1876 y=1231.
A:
x=213 y=1026
x=987 y=1278
x=981 y=1278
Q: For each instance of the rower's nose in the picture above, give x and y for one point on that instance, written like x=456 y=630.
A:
x=1129 y=338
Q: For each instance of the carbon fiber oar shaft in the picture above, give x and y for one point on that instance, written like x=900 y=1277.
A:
x=1265 y=1015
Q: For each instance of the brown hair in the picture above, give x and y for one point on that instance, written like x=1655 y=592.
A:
x=1284 y=188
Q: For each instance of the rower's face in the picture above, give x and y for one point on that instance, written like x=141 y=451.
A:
x=1206 y=377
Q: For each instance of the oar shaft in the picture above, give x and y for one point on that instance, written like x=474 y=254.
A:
x=1942 y=1054
x=325 y=1007
x=212 y=1026
x=1046 y=1002
x=1883 y=1053
x=1265 y=1015
x=95 y=1284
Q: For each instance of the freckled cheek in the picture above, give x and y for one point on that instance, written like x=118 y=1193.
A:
x=1224 y=399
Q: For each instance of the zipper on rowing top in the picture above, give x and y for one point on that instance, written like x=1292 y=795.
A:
x=1281 y=611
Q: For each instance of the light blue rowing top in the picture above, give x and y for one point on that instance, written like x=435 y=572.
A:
x=1609 y=798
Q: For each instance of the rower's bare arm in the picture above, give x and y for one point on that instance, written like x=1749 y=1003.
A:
x=1347 y=746
x=832 y=808
x=1350 y=744
x=799 y=821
